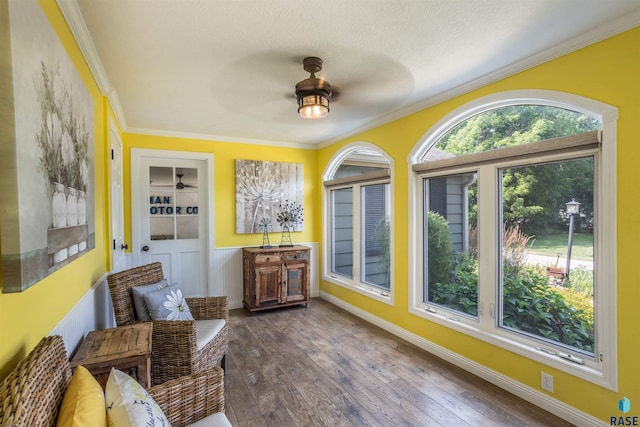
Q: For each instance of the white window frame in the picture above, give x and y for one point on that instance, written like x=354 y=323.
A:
x=355 y=284
x=603 y=369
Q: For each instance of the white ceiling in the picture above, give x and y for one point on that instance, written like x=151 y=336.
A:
x=226 y=69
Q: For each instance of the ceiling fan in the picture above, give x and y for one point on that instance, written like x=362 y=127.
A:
x=180 y=185
x=314 y=94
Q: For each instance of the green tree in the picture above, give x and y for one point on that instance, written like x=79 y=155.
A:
x=525 y=205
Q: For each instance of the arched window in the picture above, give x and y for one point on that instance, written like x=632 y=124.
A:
x=357 y=226
x=513 y=212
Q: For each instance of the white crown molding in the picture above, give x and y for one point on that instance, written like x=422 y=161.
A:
x=527 y=393
x=71 y=12
x=219 y=138
x=598 y=34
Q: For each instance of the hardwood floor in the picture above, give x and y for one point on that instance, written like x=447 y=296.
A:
x=322 y=366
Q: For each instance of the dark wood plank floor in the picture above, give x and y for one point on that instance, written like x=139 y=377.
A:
x=322 y=366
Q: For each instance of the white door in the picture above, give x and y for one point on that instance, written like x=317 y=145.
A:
x=118 y=245
x=173 y=216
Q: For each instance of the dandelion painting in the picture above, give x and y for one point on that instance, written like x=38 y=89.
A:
x=47 y=160
x=261 y=187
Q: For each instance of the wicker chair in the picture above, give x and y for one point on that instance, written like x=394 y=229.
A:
x=30 y=396
x=174 y=351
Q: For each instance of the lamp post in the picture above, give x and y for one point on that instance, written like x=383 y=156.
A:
x=573 y=208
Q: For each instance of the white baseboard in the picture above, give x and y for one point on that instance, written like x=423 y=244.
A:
x=523 y=391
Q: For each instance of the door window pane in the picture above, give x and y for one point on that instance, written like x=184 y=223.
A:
x=451 y=261
x=187 y=203
x=161 y=203
x=547 y=252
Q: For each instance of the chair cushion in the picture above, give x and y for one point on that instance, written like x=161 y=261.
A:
x=142 y=312
x=168 y=304
x=129 y=404
x=83 y=402
x=206 y=330
x=219 y=419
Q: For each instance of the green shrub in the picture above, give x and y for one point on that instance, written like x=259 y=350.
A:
x=531 y=305
x=461 y=294
x=440 y=255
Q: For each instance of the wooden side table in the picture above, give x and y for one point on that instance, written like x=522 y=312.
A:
x=127 y=348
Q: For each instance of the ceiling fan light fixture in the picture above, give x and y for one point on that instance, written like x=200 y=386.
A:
x=313 y=94
x=314 y=106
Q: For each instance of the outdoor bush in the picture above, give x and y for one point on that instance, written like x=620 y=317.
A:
x=581 y=281
x=514 y=249
x=462 y=293
x=440 y=249
x=530 y=305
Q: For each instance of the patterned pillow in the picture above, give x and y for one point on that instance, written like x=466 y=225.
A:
x=129 y=404
x=168 y=304
x=142 y=312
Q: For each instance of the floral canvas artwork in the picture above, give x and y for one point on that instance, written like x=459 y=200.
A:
x=47 y=164
x=262 y=189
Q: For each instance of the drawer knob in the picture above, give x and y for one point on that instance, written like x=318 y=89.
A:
x=268 y=259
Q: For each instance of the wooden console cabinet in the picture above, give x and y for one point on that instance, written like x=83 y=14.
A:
x=275 y=277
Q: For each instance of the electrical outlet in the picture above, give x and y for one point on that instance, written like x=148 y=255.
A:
x=546 y=381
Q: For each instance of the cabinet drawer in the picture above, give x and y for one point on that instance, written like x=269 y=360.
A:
x=265 y=258
x=296 y=256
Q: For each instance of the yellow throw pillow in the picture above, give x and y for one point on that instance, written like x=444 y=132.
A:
x=83 y=402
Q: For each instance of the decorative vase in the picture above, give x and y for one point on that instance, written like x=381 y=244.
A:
x=82 y=208
x=72 y=206
x=59 y=205
x=60 y=256
x=73 y=249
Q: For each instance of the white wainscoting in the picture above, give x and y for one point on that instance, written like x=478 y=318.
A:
x=94 y=310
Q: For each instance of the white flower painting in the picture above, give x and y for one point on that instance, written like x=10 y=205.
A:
x=261 y=187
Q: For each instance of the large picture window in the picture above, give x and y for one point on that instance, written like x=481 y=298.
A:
x=512 y=223
x=357 y=223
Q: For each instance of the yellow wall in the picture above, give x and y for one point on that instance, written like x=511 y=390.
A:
x=606 y=72
x=225 y=154
x=28 y=316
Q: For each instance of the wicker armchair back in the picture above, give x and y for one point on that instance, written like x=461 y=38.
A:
x=174 y=351
x=30 y=396
x=120 y=285
x=32 y=393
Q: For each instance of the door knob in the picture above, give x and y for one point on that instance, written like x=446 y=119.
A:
x=145 y=248
x=124 y=246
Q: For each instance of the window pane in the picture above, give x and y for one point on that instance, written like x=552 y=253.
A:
x=547 y=253
x=509 y=126
x=451 y=262
x=375 y=243
x=342 y=232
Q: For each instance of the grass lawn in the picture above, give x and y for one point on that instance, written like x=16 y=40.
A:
x=556 y=244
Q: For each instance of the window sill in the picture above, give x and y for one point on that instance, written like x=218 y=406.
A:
x=591 y=370
x=368 y=291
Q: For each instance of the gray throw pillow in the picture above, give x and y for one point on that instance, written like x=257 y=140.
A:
x=168 y=304
x=142 y=312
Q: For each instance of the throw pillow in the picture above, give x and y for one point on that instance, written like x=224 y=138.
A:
x=138 y=292
x=83 y=402
x=129 y=404
x=168 y=304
